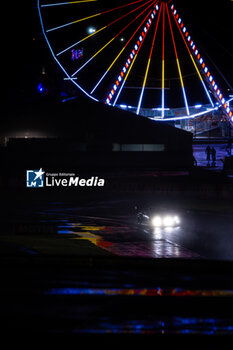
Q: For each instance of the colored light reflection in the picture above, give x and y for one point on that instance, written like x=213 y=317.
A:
x=174 y=325
x=148 y=292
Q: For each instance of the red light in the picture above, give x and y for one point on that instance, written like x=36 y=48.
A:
x=208 y=74
x=203 y=65
x=230 y=114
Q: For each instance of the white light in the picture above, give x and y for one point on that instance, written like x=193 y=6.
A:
x=198 y=106
x=176 y=220
x=123 y=106
x=168 y=221
x=157 y=7
x=157 y=221
x=91 y=30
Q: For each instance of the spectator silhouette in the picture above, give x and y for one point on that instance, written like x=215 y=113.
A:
x=213 y=155
x=208 y=152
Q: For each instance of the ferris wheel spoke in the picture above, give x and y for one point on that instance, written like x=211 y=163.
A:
x=109 y=42
x=67 y=3
x=123 y=76
x=101 y=29
x=125 y=46
x=92 y=16
x=193 y=61
x=178 y=63
x=163 y=65
x=148 y=64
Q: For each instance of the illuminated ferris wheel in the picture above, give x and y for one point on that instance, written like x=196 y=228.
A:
x=131 y=54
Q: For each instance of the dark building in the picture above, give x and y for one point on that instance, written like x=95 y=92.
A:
x=79 y=132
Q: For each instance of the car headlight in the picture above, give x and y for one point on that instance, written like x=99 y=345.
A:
x=166 y=221
x=157 y=221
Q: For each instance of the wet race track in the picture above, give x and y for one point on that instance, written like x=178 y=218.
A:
x=112 y=226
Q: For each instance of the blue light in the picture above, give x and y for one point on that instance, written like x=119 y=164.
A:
x=40 y=88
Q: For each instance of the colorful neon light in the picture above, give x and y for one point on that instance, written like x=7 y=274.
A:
x=127 y=67
x=180 y=26
x=67 y=3
x=163 y=64
x=148 y=64
x=178 y=63
x=102 y=28
x=123 y=49
x=109 y=42
x=91 y=16
x=205 y=70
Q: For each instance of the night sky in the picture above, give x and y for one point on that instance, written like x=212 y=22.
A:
x=209 y=22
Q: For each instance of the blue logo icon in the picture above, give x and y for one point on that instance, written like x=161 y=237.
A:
x=35 y=178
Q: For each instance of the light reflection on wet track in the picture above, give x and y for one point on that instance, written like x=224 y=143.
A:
x=123 y=240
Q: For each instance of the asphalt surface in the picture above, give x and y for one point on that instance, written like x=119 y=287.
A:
x=112 y=226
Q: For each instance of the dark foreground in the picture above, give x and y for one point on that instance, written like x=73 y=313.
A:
x=120 y=301
x=76 y=266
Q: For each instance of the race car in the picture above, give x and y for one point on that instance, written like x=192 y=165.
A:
x=157 y=218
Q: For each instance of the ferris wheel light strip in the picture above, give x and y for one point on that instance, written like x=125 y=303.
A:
x=91 y=16
x=67 y=3
x=119 y=54
x=122 y=77
x=188 y=41
x=182 y=30
x=99 y=30
x=148 y=65
x=109 y=42
x=178 y=63
x=55 y=58
x=163 y=65
x=186 y=117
